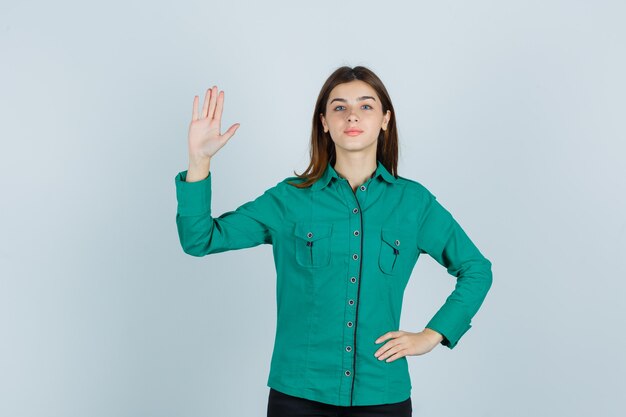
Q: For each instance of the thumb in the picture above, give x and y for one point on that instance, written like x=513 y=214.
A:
x=231 y=131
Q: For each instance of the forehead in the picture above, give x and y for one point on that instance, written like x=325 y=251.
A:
x=351 y=90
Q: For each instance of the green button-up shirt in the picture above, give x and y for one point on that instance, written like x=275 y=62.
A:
x=343 y=259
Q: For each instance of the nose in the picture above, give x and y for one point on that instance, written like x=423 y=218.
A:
x=352 y=117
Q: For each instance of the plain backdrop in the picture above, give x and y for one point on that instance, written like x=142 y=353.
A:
x=511 y=112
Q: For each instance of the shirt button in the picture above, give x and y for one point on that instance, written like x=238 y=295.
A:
x=355 y=210
x=309 y=235
x=363 y=188
x=397 y=242
x=356 y=233
x=353 y=279
x=355 y=256
x=348 y=348
x=349 y=324
x=347 y=373
x=351 y=302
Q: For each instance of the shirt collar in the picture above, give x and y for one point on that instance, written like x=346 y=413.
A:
x=330 y=173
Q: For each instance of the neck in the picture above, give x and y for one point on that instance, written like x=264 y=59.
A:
x=357 y=170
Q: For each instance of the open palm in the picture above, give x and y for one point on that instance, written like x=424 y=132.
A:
x=204 y=131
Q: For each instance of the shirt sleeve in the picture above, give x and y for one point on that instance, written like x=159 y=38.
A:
x=444 y=240
x=200 y=234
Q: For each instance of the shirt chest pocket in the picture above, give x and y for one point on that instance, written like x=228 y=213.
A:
x=397 y=249
x=313 y=244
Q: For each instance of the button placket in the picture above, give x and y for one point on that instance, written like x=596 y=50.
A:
x=351 y=307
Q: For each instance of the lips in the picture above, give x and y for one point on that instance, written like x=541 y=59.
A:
x=353 y=132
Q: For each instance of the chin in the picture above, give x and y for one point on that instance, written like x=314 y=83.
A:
x=354 y=147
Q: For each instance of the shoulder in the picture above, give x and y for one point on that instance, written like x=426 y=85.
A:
x=292 y=179
x=287 y=184
x=415 y=188
x=283 y=186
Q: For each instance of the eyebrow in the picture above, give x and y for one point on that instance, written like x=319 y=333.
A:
x=358 y=99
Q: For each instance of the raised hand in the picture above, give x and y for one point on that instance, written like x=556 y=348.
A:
x=204 y=131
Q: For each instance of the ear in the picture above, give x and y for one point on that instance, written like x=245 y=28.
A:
x=324 y=122
x=386 y=119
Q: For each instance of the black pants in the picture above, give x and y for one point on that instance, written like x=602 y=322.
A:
x=284 y=405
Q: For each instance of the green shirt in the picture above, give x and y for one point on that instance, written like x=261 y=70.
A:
x=343 y=259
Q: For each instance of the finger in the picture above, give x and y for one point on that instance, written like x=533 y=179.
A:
x=205 y=106
x=390 y=352
x=194 y=112
x=385 y=349
x=397 y=355
x=393 y=343
x=219 y=106
x=231 y=131
x=383 y=337
x=212 y=102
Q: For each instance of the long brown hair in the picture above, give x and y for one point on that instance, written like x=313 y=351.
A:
x=322 y=148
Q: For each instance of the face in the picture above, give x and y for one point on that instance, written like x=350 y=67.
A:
x=354 y=106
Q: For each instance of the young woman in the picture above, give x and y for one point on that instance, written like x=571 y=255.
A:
x=346 y=235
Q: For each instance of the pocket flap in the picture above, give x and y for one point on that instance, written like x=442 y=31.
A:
x=313 y=231
x=393 y=238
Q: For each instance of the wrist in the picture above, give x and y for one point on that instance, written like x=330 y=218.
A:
x=198 y=170
x=434 y=335
x=199 y=161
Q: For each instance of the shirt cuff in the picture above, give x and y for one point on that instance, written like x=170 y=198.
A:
x=194 y=198
x=451 y=323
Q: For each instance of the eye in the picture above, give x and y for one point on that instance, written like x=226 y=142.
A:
x=362 y=106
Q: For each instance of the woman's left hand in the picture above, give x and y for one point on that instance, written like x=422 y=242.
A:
x=406 y=343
